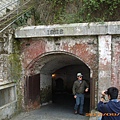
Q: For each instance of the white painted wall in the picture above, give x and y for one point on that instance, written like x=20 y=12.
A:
x=104 y=76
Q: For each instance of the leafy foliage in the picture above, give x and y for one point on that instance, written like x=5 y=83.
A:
x=73 y=11
x=101 y=10
x=15 y=63
x=23 y=19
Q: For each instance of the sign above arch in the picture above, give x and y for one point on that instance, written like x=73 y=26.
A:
x=75 y=29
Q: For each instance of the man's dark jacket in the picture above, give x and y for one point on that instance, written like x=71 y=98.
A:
x=79 y=88
x=109 y=110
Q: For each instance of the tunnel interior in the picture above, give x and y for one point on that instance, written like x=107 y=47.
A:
x=57 y=74
x=62 y=82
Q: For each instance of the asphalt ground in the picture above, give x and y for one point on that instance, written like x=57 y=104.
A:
x=61 y=109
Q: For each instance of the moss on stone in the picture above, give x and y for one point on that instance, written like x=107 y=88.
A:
x=16 y=70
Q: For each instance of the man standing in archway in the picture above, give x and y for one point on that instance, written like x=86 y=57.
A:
x=79 y=87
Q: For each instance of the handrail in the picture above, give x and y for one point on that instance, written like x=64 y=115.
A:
x=8 y=5
x=14 y=11
x=16 y=18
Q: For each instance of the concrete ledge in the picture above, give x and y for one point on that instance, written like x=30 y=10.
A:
x=7 y=110
x=7 y=85
x=75 y=29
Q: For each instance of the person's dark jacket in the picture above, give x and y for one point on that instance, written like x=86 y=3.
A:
x=109 y=110
x=79 y=87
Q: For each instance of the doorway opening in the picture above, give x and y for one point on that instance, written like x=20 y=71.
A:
x=57 y=72
x=62 y=83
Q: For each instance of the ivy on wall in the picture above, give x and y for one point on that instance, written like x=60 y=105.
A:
x=101 y=10
x=23 y=20
x=16 y=71
x=15 y=62
x=75 y=11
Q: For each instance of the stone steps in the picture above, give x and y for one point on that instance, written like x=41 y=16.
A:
x=9 y=17
x=7 y=5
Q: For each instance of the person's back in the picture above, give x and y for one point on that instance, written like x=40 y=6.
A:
x=111 y=109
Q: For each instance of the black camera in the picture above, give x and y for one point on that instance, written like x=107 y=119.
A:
x=105 y=92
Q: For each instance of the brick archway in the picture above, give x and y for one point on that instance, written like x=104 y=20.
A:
x=93 y=43
x=82 y=48
x=46 y=65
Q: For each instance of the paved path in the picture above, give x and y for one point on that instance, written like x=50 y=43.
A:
x=54 y=111
x=49 y=112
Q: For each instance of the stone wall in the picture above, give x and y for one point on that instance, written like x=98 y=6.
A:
x=104 y=62
x=8 y=96
x=115 y=72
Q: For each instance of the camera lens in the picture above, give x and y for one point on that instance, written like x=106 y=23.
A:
x=105 y=92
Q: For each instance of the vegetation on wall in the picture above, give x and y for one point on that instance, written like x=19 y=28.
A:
x=75 y=11
x=23 y=20
x=15 y=63
x=16 y=70
x=101 y=10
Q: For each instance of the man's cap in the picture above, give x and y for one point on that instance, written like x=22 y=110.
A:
x=79 y=74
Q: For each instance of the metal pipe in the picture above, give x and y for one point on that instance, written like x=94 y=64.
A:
x=14 y=21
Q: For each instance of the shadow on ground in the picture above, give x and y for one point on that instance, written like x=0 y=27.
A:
x=60 y=109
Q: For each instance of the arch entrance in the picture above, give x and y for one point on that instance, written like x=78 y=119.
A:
x=50 y=78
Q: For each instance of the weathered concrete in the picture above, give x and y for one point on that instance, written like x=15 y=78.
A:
x=8 y=101
x=4 y=69
x=8 y=110
x=8 y=96
x=75 y=29
x=115 y=81
x=104 y=62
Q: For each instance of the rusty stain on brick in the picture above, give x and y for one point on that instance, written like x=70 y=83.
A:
x=78 y=46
